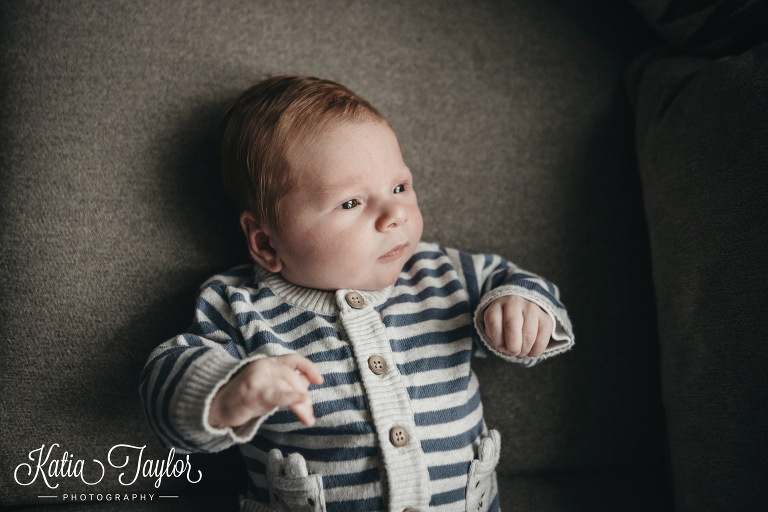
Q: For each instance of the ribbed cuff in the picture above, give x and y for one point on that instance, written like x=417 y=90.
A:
x=193 y=398
x=562 y=338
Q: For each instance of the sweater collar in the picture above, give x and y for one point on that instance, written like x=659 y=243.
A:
x=319 y=301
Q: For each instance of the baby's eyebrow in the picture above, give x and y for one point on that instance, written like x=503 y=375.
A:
x=334 y=190
x=333 y=193
x=339 y=188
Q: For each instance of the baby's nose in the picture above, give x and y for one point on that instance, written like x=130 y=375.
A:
x=392 y=215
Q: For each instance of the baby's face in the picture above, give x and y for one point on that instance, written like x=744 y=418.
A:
x=351 y=219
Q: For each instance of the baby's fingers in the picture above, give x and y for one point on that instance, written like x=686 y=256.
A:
x=529 y=332
x=304 y=411
x=283 y=388
x=543 y=336
x=299 y=403
x=306 y=367
x=283 y=397
x=287 y=378
x=512 y=325
x=493 y=325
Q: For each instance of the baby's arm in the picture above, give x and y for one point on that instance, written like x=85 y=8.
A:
x=185 y=376
x=509 y=298
x=257 y=388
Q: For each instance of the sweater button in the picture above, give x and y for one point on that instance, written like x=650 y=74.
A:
x=377 y=364
x=398 y=436
x=355 y=300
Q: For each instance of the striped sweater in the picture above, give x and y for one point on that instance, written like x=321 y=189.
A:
x=409 y=435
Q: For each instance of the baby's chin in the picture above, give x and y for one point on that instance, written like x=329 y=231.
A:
x=382 y=280
x=374 y=285
x=365 y=278
x=364 y=284
x=369 y=283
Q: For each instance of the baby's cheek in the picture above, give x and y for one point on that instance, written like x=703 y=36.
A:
x=318 y=244
x=351 y=247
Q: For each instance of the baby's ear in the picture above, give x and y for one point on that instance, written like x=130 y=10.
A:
x=259 y=244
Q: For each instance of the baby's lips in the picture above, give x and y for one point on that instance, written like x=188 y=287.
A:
x=398 y=249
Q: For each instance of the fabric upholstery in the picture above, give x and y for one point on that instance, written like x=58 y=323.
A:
x=710 y=28
x=702 y=142
x=511 y=115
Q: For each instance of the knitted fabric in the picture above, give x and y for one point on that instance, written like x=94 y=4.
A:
x=426 y=327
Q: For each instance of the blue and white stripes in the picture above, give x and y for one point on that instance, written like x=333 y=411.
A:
x=426 y=327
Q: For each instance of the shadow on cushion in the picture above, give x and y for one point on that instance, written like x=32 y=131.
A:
x=702 y=142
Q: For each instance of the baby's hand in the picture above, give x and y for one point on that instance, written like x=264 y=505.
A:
x=517 y=327
x=262 y=385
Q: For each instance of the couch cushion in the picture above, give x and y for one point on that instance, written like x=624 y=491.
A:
x=702 y=142
x=606 y=489
x=509 y=113
x=710 y=28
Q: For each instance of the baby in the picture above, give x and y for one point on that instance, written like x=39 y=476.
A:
x=340 y=361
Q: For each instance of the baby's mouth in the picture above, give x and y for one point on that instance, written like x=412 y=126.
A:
x=395 y=253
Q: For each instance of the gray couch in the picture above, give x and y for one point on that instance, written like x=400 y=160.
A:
x=618 y=149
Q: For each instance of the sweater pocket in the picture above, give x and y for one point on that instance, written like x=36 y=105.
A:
x=291 y=487
x=481 y=484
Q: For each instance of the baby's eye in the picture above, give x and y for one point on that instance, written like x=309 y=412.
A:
x=348 y=205
x=399 y=188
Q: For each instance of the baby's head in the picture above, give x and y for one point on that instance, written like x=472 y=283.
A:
x=318 y=177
